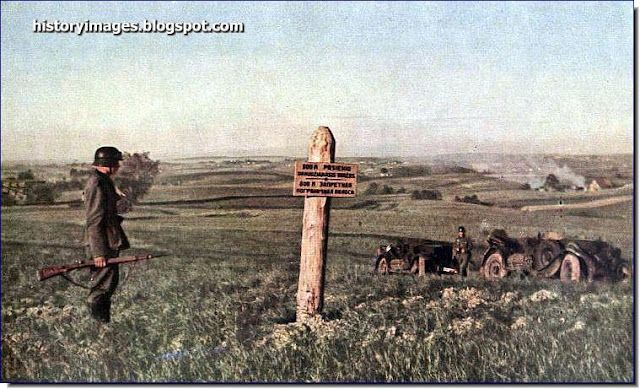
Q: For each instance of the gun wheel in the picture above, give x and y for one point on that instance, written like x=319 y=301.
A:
x=545 y=253
x=570 y=270
x=415 y=264
x=419 y=265
x=383 y=266
x=622 y=271
x=494 y=267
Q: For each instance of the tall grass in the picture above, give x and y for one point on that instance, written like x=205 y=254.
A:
x=221 y=307
x=229 y=318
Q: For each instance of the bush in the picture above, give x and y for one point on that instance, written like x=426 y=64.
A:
x=473 y=199
x=426 y=195
x=26 y=175
x=386 y=190
x=42 y=193
x=372 y=189
x=375 y=189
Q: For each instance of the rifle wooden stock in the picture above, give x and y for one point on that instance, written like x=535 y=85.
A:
x=52 y=271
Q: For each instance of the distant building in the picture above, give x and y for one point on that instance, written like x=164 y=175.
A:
x=600 y=183
x=17 y=191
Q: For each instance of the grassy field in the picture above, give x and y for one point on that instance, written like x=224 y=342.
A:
x=221 y=305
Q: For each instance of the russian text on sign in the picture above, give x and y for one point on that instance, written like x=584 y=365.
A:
x=326 y=179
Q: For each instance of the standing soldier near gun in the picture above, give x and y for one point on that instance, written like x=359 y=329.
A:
x=462 y=251
x=104 y=236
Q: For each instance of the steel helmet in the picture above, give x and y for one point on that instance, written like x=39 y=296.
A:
x=107 y=156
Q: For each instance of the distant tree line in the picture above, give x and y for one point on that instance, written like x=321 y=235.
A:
x=376 y=189
x=473 y=199
x=135 y=178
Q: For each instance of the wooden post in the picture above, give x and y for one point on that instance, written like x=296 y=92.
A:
x=315 y=230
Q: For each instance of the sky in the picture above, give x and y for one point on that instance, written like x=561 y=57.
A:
x=389 y=79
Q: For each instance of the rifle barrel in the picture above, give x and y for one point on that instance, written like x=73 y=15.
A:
x=52 y=271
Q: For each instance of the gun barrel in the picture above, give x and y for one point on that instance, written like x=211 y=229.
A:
x=129 y=259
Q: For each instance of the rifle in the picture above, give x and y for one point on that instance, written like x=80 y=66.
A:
x=49 y=272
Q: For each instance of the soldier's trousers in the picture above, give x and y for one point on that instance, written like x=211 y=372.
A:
x=104 y=283
x=463 y=263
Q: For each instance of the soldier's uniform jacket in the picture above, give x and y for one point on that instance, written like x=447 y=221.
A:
x=103 y=233
x=462 y=245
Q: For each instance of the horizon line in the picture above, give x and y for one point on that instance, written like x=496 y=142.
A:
x=39 y=161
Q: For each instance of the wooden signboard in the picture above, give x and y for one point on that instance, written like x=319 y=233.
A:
x=325 y=179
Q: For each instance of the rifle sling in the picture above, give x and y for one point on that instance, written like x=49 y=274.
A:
x=73 y=282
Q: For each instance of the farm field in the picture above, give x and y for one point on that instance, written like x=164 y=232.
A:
x=220 y=306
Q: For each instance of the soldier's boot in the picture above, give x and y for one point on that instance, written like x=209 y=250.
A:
x=94 y=311
x=108 y=311
x=100 y=310
x=105 y=310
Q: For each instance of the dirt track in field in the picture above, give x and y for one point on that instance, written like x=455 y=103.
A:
x=586 y=204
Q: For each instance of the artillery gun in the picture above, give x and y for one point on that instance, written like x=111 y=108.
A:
x=415 y=256
x=552 y=256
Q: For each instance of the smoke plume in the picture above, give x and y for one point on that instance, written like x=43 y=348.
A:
x=532 y=170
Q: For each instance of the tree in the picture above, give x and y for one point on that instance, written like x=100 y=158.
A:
x=26 y=175
x=136 y=176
